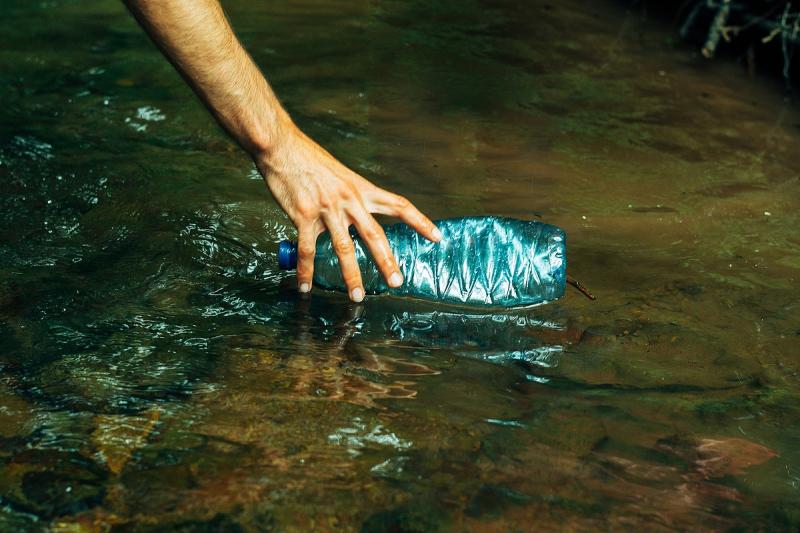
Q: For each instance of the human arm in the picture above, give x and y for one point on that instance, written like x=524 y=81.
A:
x=316 y=191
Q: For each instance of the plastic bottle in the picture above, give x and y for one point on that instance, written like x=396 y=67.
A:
x=485 y=261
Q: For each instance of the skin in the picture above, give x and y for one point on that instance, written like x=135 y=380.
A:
x=316 y=191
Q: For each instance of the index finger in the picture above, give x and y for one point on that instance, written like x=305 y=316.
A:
x=387 y=203
x=374 y=237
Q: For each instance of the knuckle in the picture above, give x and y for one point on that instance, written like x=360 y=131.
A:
x=347 y=193
x=343 y=244
x=306 y=250
x=402 y=202
x=370 y=234
x=306 y=209
x=387 y=264
x=352 y=279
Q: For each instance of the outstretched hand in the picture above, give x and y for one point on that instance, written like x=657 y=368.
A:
x=318 y=193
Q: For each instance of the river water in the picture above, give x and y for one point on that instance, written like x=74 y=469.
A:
x=160 y=373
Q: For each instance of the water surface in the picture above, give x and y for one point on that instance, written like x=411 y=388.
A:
x=160 y=373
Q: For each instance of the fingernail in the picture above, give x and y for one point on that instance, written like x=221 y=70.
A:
x=304 y=287
x=395 y=280
x=357 y=294
x=437 y=234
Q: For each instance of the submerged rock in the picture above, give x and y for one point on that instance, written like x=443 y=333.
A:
x=117 y=437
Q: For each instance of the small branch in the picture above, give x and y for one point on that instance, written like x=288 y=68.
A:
x=689 y=22
x=717 y=29
x=578 y=285
x=775 y=31
x=785 y=37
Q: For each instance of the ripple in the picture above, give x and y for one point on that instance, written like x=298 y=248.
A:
x=150 y=114
x=359 y=436
x=31 y=147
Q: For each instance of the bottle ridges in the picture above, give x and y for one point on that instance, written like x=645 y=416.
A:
x=486 y=261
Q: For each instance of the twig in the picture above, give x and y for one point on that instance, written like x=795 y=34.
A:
x=690 y=18
x=578 y=285
x=787 y=52
x=717 y=29
x=772 y=34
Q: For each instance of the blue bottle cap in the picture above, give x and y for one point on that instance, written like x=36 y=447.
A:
x=287 y=255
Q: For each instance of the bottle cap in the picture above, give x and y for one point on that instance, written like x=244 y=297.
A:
x=287 y=255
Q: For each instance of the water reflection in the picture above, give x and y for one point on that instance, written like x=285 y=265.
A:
x=318 y=357
x=333 y=350
x=511 y=339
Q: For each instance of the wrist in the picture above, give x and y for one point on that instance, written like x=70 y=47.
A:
x=269 y=135
x=269 y=146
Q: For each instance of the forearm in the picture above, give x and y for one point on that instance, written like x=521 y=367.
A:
x=197 y=39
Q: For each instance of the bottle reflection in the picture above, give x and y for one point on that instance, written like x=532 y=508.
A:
x=515 y=339
x=359 y=353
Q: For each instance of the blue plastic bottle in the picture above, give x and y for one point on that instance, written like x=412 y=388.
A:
x=485 y=261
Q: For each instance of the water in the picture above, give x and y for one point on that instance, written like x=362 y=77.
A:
x=480 y=262
x=159 y=372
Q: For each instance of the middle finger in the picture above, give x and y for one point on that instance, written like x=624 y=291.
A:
x=345 y=250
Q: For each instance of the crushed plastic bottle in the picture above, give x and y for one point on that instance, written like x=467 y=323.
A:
x=482 y=261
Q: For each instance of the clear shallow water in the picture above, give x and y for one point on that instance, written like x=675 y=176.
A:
x=159 y=372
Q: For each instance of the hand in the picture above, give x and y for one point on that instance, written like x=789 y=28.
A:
x=319 y=193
